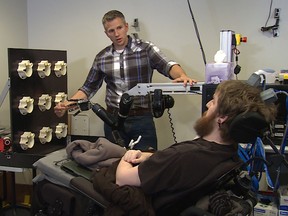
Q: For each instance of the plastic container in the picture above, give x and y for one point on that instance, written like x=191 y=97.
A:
x=217 y=72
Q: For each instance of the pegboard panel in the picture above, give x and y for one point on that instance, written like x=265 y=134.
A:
x=36 y=79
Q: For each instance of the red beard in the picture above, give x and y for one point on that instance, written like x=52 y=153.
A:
x=204 y=125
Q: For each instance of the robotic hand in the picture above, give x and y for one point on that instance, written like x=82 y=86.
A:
x=114 y=123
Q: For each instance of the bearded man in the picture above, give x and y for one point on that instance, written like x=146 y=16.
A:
x=171 y=174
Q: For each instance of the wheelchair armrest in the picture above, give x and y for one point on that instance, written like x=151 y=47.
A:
x=85 y=187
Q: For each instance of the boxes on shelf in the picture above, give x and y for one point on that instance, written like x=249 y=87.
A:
x=265 y=210
x=283 y=199
x=282 y=213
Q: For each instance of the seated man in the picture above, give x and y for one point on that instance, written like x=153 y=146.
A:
x=170 y=174
x=184 y=164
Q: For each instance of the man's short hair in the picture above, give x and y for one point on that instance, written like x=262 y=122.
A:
x=111 y=15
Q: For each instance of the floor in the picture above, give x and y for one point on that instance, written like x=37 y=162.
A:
x=20 y=191
x=16 y=212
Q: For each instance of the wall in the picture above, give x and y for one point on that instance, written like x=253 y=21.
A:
x=13 y=33
x=76 y=26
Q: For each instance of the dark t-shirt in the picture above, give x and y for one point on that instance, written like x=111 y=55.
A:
x=173 y=172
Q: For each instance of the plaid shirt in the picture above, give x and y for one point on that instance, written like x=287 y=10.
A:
x=123 y=71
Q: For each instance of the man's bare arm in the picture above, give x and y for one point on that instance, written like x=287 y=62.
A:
x=127 y=171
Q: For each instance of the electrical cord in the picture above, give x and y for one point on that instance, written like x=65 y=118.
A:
x=270 y=9
x=172 y=126
x=170 y=119
x=197 y=32
x=237 y=68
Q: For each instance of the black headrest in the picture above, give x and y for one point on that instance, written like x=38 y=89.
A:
x=246 y=127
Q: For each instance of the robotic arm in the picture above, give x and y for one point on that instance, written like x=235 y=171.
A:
x=159 y=91
x=160 y=101
x=114 y=123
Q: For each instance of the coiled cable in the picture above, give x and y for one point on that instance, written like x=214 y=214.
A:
x=172 y=126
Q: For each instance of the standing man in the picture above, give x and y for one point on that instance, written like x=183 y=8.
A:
x=122 y=65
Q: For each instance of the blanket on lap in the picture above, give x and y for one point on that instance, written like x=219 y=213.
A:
x=101 y=153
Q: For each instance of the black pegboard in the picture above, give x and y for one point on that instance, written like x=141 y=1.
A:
x=34 y=86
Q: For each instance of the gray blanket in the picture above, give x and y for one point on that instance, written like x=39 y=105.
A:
x=93 y=155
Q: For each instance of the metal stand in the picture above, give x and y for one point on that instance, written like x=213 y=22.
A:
x=4 y=92
x=12 y=208
x=227 y=44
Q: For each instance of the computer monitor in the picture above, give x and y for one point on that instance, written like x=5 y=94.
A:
x=207 y=94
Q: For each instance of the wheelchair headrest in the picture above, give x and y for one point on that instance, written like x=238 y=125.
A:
x=246 y=127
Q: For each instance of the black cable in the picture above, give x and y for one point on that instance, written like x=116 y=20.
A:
x=270 y=9
x=237 y=68
x=236 y=51
x=197 y=33
x=172 y=126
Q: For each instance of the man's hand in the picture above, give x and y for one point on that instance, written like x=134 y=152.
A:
x=60 y=109
x=136 y=156
x=179 y=75
x=185 y=79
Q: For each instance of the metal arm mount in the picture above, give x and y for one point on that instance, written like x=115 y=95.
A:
x=4 y=92
x=161 y=92
x=142 y=89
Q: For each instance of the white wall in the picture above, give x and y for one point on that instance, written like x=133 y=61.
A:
x=76 y=26
x=13 y=33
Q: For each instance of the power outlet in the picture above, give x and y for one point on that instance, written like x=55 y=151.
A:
x=80 y=125
x=277 y=13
